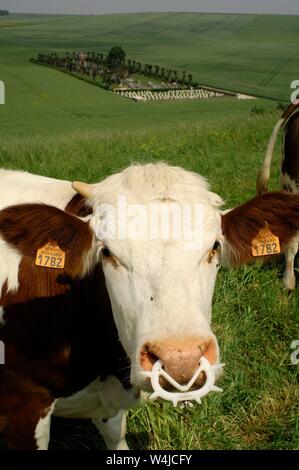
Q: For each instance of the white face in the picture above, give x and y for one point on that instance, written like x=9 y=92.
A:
x=161 y=293
x=160 y=286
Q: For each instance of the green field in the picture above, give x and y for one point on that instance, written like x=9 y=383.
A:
x=58 y=126
x=247 y=53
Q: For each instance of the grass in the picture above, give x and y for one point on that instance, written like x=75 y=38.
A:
x=247 y=53
x=55 y=125
x=254 y=54
x=254 y=319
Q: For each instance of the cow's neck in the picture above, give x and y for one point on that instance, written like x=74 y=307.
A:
x=71 y=337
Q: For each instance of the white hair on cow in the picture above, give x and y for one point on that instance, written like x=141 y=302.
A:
x=9 y=267
x=2 y=319
x=156 y=181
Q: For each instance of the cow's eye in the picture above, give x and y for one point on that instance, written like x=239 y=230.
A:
x=216 y=245
x=106 y=252
x=214 y=251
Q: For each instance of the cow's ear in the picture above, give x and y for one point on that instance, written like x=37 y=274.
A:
x=83 y=189
x=275 y=213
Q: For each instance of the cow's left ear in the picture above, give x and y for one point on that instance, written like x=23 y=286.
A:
x=272 y=217
x=84 y=189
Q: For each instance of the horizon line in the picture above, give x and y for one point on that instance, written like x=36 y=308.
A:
x=153 y=11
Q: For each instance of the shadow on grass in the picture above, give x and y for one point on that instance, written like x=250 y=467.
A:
x=75 y=434
x=138 y=440
x=81 y=434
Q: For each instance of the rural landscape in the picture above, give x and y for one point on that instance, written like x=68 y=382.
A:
x=63 y=126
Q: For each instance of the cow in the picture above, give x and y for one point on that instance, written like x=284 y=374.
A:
x=78 y=339
x=289 y=175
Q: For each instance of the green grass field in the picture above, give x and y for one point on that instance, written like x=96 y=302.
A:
x=58 y=126
x=247 y=53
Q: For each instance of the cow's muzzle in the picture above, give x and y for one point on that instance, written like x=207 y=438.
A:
x=180 y=358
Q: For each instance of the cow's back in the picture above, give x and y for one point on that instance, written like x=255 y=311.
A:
x=17 y=187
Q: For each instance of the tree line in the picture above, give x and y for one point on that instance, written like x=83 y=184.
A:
x=113 y=67
x=4 y=12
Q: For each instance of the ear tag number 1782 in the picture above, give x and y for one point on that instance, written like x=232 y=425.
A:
x=50 y=256
x=265 y=243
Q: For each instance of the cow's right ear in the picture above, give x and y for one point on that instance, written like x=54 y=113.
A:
x=277 y=212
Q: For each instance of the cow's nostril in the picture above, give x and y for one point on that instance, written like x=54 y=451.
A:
x=147 y=358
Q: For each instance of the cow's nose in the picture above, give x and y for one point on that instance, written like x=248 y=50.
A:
x=180 y=358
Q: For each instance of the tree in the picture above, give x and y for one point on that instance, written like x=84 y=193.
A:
x=168 y=74
x=116 y=57
x=157 y=68
x=4 y=12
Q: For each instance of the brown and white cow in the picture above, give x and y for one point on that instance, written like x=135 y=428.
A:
x=289 y=175
x=60 y=334
x=57 y=327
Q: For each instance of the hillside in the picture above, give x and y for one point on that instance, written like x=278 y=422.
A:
x=256 y=54
x=247 y=53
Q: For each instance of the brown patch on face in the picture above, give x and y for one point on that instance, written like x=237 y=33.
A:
x=241 y=225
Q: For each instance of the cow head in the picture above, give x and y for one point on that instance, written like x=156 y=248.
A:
x=161 y=284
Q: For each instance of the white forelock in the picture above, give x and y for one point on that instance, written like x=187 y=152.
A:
x=156 y=181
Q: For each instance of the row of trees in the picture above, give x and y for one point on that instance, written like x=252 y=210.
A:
x=158 y=72
x=113 y=67
x=4 y=12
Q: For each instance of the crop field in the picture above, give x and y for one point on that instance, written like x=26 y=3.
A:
x=56 y=125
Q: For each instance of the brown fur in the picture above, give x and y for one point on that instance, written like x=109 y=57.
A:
x=241 y=225
x=290 y=151
x=28 y=227
x=23 y=404
x=77 y=206
x=289 y=111
x=58 y=324
x=290 y=163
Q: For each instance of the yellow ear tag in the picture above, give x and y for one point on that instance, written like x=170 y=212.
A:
x=50 y=256
x=265 y=243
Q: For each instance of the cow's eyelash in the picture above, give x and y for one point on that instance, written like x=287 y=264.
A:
x=214 y=251
x=109 y=257
x=106 y=252
x=216 y=245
